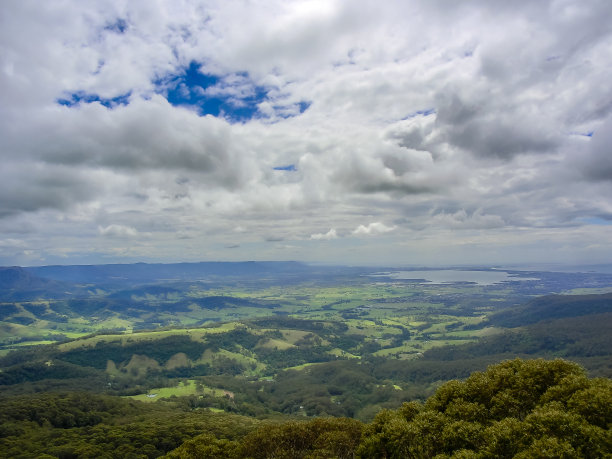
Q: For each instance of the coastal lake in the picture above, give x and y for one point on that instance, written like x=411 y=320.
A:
x=449 y=276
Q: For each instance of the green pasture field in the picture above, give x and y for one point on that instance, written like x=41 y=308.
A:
x=183 y=389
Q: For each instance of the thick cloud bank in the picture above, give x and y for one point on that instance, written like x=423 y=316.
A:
x=426 y=132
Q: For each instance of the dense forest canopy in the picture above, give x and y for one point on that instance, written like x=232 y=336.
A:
x=517 y=408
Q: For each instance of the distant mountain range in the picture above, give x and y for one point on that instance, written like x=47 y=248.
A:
x=145 y=272
x=59 y=281
x=19 y=284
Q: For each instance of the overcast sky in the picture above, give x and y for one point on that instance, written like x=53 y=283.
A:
x=353 y=132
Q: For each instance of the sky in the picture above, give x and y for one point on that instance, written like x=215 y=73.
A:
x=347 y=132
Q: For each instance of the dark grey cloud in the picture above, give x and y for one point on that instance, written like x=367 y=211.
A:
x=487 y=127
x=41 y=186
x=143 y=135
x=274 y=238
x=596 y=162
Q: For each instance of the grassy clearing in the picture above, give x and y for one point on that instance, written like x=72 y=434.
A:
x=90 y=342
x=303 y=366
x=273 y=343
x=253 y=367
x=292 y=336
x=445 y=342
x=183 y=389
x=404 y=349
x=488 y=331
x=341 y=353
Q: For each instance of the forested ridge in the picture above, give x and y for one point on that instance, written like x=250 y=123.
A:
x=516 y=408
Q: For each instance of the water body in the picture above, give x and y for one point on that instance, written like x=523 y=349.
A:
x=449 y=276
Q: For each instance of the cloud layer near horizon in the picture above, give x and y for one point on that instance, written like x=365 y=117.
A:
x=415 y=133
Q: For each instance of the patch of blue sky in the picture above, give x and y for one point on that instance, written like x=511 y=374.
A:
x=234 y=96
x=606 y=221
x=99 y=67
x=289 y=168
x=119 y=26
x=583 y=134
x=76 y=98
x=425 y=112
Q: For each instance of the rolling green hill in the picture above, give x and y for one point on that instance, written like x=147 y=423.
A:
x=551 y=307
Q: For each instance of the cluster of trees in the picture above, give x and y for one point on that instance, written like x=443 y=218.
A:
x=159 y=349
x=517 y=408
x=39 y=370
x=319 y=438
x=82 y=425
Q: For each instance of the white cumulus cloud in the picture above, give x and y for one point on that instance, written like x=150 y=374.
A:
x=373 y=229
x=331 y=234
x=118 y=231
